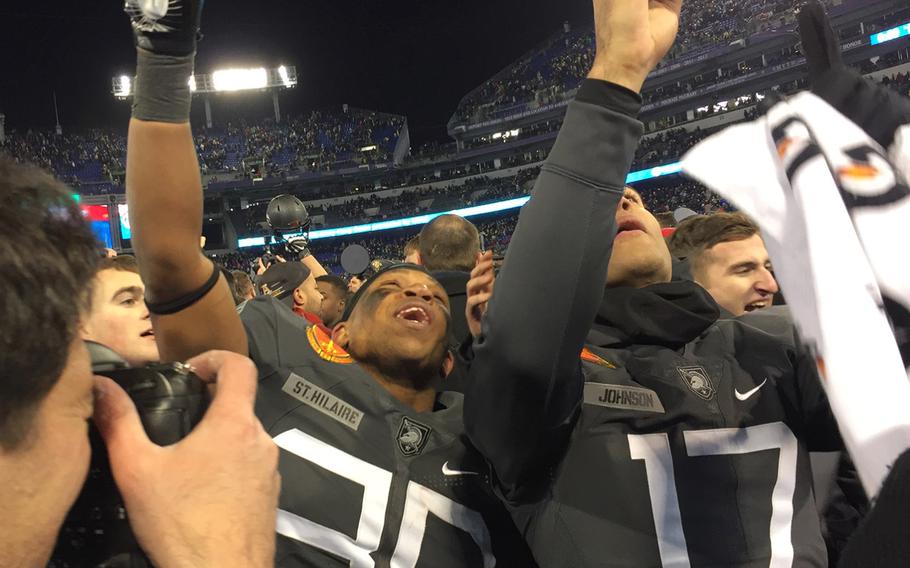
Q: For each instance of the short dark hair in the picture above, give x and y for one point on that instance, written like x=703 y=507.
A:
x=449 y=242
x=699 y=233
x=49 y=257
x=413 y=245
x=336 y=282
x=123 y=263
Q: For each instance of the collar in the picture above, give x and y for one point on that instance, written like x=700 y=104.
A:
x=312 y=318
x=454 y=281
x=668 y=314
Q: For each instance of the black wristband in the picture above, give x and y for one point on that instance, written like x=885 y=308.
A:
x=162 y=92
x=182 y=303
x=610 y=95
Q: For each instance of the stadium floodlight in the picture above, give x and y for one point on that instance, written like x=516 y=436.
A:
x=285 y=77
x=123 y=87
x=240 y=79
x=497 y=206
x=900 y=31
x=224 y=80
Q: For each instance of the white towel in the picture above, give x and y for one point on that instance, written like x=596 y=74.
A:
x=834 y=212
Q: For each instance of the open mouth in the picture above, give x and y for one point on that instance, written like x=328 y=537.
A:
x=629 y=225
x=757 y=305
x=414 y=315
x=148 y=333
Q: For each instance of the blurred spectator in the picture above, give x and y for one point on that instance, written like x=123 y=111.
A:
x=242 y=286
x=412 y=250
x=335 y=297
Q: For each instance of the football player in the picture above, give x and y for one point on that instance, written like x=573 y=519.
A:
x=376 y=465
x=631 y=424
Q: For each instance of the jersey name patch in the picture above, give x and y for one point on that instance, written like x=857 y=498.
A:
x=328 y=404
x=412 y=436
x=698 y=381
x=623 y=397
x=327 y=349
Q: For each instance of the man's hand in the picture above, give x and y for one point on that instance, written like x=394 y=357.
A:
x=210 y=499
x=632 y=37
x=168 y=27
x=480 y=290
x=299 y=246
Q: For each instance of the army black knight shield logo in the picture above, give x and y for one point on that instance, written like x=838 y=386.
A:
x=698 y=381
x=412 y=437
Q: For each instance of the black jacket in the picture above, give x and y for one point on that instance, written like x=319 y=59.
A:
x=455 y=284
x=674 y=437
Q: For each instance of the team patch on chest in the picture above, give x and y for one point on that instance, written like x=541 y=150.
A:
x=327 y=349
x=698 y=381
x=323 y=401
x=412 y=436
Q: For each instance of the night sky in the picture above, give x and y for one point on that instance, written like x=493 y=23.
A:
x=411 y=57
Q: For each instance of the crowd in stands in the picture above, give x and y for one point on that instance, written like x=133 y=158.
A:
x=900 y=82
x=323 y=140
x=320 y=141
x=655 y=150
x=660 y=196
x=536 y=129
x=95 y=155
x=481 y=189
x=558 y=67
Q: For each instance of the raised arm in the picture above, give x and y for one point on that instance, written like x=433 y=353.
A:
x=525 y=382
x=164 y=192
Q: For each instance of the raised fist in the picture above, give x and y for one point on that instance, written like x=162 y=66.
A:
x=165 y=27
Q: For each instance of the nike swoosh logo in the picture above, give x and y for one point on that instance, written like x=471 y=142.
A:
x=746 y=395
x=450 y=472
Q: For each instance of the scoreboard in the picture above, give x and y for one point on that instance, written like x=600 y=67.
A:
x=99 y=217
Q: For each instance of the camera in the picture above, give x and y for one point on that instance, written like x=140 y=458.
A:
x=170 y=400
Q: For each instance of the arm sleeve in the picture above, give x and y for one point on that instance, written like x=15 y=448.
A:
x=259 y=318
x=525 y=382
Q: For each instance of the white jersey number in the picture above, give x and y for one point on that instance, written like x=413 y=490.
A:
x=376 y=484
x=654 y=450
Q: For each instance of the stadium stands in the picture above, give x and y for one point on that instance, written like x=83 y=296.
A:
x=326 y=143
x=322 y=140
x=553 y=70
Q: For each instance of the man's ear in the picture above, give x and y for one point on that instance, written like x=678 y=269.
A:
x=477 y=257
x=447 y=364
x=299 y=296
x=340 y=335
x=85 y=330
x=419 y=259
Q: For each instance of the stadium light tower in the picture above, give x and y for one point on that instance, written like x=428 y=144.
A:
x=226 y=81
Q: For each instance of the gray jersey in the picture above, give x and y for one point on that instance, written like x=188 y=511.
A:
x=367 y=481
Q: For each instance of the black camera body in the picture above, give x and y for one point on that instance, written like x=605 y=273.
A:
x=171 y=401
